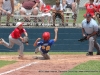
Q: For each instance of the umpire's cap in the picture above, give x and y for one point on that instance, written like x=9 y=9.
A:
x=88 y=15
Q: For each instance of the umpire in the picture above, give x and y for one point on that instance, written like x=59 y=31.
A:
x=90 y=29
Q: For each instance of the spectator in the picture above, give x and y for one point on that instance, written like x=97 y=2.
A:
x=57 y=10
x=90 y=29
x=17 y=7
x=90 y=8
x=72 y=5
x=7 y=8
x=97 y=13
x=46 y=12
x=29 y=7
x=96 y=2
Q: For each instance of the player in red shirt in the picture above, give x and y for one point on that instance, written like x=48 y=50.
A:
x=14 y=38
x=90 y=8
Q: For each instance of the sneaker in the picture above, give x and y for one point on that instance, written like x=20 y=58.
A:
x=20 y=57
x=66 y=24
x=89 y=54
x=74 y=16
x=37 y=24
x=7 y=24
x=54 y=25
x=1 y=41
x=63 y=25
x=74 y=24
x=42 y=24
x=98 y=53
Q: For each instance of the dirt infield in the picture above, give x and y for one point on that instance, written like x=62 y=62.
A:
x=55 y=66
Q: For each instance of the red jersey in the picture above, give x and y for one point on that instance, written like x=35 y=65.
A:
x=17 y=33
x=98 y=8
x=90 y=8
x=45 y=8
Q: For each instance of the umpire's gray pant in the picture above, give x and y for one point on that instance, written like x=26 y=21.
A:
x=93 y=43
x=11 y=43
x=45 y=56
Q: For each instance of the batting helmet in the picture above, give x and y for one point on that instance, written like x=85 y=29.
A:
x=46 y=36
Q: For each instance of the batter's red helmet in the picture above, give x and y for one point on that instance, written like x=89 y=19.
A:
x=46 y=36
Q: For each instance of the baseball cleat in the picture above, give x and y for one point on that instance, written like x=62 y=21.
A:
x=20 y=57
x=98 y=53
x=89 y=54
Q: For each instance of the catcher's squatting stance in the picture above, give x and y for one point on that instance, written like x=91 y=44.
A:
x=45 y=44
x=14 y=38
x=90 y=30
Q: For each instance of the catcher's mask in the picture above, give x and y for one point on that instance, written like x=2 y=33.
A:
x=46 y=36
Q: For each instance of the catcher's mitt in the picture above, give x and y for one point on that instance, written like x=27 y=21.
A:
x=26 y=40
x=83 y=39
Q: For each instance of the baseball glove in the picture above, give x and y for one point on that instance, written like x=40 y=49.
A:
x=26 y=40
x=83 y=39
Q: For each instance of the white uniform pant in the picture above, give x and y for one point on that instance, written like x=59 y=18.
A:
x=13 y=41
x=45 y=56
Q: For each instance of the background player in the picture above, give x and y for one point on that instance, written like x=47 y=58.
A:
x=45 y=44
x=14 y=38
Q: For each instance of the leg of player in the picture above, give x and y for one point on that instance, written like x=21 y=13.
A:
x=21 y=48
x=6 y=44
x=45 y=56
x=13 y=41
x=96 y=45
x=37 y=50
x=91 y=46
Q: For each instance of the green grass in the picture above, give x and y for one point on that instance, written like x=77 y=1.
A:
x=80 y=16
x=4 y=63
x=88 y=68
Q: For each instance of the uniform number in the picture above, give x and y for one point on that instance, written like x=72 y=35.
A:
x=47 y=48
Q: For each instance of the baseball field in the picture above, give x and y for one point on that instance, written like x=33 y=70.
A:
x=67 y=63
x=61 y=63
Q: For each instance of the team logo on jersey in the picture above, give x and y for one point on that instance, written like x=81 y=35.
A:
x=47 y=48
x=90 y=6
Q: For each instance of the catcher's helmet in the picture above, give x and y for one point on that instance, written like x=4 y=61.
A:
x=46 y=36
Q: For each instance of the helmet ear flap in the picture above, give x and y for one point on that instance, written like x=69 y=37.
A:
x=46 y=36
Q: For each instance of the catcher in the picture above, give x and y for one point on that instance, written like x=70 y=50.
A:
x=14 y=38
x=45 y=44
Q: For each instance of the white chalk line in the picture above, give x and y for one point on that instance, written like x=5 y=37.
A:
x=18 y=68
